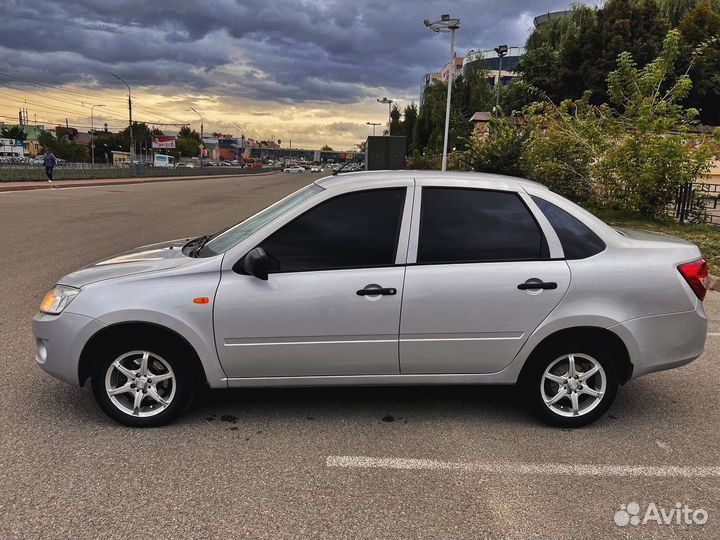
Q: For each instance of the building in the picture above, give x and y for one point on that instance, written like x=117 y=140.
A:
x=491 y=64
x=548 y=17
x=445 y=71
x=11 y=148
x=32 y=133
x=120 y=158
x=428 y=79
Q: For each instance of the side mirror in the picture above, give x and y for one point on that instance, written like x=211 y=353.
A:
x=255 y=263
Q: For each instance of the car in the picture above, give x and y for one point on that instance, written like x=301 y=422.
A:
x=186 y=165
x=384 y=278
x=294 y=169
x=316 y=168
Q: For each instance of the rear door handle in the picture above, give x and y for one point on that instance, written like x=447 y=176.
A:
x=377 y=291
x=531 y=285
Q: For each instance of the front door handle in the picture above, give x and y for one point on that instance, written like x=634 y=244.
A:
x=534 y=284
x=374 y=291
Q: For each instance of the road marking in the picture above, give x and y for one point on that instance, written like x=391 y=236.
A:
x=713 y=334
x=510 y=468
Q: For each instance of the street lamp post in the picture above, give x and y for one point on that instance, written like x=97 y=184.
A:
x=242 y=140
x=132 y=146
x=92 y=133
x=446 y=24
x=389 y=103
x=501 y=51
x=202 y=127
x=373 y=124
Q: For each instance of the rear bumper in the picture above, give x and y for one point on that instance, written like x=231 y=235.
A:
x=664 y=342
x=59 y=341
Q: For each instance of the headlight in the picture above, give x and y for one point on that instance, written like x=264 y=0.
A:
x=58 y=299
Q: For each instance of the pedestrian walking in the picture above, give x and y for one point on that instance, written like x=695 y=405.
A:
x=49 y=161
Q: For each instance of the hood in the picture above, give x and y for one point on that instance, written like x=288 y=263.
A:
x=137 y=261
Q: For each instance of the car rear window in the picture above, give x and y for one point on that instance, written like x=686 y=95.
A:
x=576 y=238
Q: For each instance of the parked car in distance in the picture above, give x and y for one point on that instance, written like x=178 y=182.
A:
x=185 y=164
x=294 y=169
x=316 y=168
x=384 y=278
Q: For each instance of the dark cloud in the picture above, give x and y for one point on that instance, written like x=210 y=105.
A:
x=288 y=51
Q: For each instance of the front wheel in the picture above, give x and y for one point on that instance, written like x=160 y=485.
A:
x=570 y=385
x=142 y=385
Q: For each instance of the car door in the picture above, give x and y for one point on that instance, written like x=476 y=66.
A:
x=479 y=280
x=331 y=304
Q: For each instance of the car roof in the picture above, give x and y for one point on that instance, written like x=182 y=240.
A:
x=485 y=180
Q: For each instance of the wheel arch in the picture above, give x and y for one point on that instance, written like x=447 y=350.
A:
x=619 y=351
x=130 y=328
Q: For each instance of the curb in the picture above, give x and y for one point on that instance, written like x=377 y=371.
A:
x=8 y=186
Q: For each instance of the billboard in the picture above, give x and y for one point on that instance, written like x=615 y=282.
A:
x=163 y=141
x=12 y=148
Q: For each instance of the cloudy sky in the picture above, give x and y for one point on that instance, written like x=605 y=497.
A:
x=302 y=70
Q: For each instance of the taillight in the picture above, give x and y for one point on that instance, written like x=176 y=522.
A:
x=694 y=273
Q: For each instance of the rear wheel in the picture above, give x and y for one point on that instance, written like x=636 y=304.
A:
x=142 y=384
x=570 y=385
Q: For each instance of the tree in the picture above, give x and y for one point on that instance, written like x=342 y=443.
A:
x=13 y=132
x=326 y=148
x=700 y=30
x=407 y=126
x=575 y=53
x=395 y=127
x=187 y=133
x=647 y=165
x=500 y=150
x=64 y=148
x=675 y=10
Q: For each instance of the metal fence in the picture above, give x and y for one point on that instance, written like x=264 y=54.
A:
x=697 y=202
x=84 y=171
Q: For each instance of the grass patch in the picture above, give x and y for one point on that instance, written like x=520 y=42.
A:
x=706 y=237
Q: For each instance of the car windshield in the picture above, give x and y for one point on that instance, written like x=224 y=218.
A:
x=236 y=234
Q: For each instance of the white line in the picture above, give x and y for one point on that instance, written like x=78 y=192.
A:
x=713 y=334
x=509 y=468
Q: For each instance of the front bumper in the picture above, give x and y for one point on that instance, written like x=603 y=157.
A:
x=664 y=341
x=59 y=341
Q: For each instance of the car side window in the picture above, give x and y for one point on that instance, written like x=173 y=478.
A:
x=576 y=238
x=472 y=225
x=355 y=230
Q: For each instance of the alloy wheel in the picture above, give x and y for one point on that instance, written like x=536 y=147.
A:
x=140 y=383
x=573 y=385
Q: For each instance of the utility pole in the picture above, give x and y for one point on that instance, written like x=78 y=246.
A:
x=92 y=132
x=202 y=127
x=242 y=140
x=130 y=125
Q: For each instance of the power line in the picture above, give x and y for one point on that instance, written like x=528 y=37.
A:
x=55 y=110
x=88 y=97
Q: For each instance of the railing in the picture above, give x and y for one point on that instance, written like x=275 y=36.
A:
x=697 y=202
x=14 y=172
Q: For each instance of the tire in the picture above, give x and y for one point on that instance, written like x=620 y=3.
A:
x=174 y=382
x=547 y=378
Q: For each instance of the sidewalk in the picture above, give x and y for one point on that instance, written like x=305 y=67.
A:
x=60 y=184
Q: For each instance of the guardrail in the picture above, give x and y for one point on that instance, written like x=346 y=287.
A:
x=84 y=171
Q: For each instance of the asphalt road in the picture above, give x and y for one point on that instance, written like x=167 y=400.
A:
x=289 y=463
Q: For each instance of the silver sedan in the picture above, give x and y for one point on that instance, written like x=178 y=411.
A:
x=383 y=278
